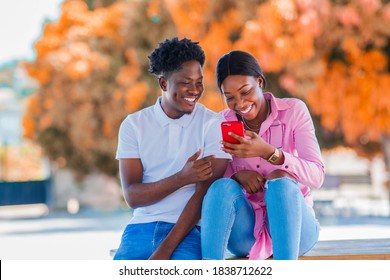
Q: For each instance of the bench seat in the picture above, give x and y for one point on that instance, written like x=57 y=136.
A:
x=353 y=249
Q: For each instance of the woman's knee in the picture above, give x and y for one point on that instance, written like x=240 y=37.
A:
x=282 y=187
x=278 y=173
x=223 y=188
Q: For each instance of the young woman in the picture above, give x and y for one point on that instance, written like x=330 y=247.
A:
x=262 y=206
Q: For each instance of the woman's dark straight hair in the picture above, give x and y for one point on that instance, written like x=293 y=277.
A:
x=238 y=63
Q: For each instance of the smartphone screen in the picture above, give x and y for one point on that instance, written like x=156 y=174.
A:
x=236 y=127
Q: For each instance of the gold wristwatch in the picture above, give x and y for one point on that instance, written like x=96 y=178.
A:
x=275 y=156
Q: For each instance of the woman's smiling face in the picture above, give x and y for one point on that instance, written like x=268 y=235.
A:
x=243 y=95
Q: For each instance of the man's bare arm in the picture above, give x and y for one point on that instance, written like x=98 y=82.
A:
x=191 y=213
x=138 y=194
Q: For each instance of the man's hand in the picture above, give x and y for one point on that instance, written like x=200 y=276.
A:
x=197 y=170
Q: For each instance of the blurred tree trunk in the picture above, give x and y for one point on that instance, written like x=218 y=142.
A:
x=386 y=152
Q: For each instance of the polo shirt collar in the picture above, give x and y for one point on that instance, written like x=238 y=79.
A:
x=164 y=120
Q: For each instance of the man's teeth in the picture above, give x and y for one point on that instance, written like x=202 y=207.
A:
x=190 y=99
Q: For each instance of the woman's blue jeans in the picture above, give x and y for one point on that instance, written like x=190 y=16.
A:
x=139 y=241
x=228 y=220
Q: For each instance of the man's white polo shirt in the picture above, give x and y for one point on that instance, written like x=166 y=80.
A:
x=164 y=145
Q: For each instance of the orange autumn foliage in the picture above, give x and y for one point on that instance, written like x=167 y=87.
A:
x=92 y=65
x=82 y=61
x=350 y=95
x=280 y=33
x=296 y=41
x=353 y=97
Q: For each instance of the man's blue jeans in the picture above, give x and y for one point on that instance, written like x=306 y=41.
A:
x=139 y=241
x=228 y=220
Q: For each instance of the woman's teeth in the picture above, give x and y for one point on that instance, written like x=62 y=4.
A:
x=247 y=110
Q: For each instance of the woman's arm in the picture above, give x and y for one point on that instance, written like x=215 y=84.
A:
x=307 y=167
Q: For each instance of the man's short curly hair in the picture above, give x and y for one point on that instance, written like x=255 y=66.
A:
x=172 y=53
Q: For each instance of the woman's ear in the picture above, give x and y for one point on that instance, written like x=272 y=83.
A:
x=163 y=83
x=260 y=82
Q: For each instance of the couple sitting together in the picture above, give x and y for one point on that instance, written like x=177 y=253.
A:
x=195 y=196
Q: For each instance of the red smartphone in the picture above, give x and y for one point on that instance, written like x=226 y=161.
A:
x=236 y=127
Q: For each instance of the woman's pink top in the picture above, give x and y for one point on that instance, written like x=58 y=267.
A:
x=290 y=128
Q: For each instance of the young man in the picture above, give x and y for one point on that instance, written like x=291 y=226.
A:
x=169 y=154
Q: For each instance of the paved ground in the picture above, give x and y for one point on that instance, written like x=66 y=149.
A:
x=88 y=235
x=91 y=234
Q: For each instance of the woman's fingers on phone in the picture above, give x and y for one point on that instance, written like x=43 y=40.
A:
x=236 y=136
x=227 y=145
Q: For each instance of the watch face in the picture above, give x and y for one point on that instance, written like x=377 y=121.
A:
x=273 y=158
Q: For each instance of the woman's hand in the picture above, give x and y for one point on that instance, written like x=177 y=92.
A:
x=250 y=146
x=250 y=180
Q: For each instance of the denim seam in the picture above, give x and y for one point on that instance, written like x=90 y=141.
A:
x=314 y=243
x=154 y=235
x=298 y=206
x=230 y=223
